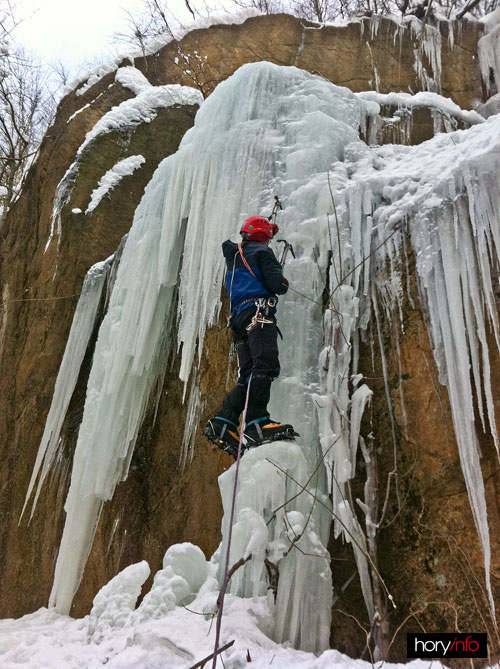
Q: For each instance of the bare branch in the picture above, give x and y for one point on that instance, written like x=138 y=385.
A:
x=202 y=663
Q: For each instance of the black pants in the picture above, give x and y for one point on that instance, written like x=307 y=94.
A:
x=257 y=356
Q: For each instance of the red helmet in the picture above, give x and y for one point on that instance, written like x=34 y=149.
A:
x=257 y=227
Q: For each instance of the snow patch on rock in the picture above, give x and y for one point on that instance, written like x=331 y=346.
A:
x=112 y=178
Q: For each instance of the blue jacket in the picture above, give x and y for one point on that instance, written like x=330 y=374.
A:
x=241 y=285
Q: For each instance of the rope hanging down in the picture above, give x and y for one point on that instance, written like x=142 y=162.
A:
x=230 y=533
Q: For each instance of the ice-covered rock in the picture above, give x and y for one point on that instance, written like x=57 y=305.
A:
x=184 y=571
x=188 y=561
x=115 y=602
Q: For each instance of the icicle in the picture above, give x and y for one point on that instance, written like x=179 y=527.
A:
x=355 y=535
x=127 y=362
x=76 y=347
x=194 y=409
x=62 y=195
x=455 y=248
x=360 y=398
x=429 y=43
x=5 y=315
x=451 y=36
x=489 y=56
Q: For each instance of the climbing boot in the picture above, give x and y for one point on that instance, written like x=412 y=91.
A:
x=224 y=434
x=263 y=430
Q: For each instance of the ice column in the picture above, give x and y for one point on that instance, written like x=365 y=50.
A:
x=127 y=361
x=276 y=529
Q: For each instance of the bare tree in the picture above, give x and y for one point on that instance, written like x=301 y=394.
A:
x=264 y=6
x=152 y=20
x=26 y=109
x=147 y=24
x=8 y=22
x=62 y=72
x=328 y=10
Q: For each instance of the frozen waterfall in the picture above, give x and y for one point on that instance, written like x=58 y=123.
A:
x=274 y=130
x=266 y=130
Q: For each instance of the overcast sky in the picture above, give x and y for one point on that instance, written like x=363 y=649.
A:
x=73 y=31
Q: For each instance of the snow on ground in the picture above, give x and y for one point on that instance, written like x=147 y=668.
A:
x=179 y=639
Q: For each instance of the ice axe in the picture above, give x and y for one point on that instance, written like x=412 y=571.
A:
x=272 y=219
x=287 y=247
x=276 y=207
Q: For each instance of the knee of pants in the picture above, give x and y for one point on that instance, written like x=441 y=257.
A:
x=266 y=363
x=263 y=344
x=270 y=372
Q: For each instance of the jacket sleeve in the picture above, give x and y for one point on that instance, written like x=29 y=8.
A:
x=229 y=248
x=272 y=275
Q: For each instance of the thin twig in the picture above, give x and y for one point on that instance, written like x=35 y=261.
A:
x=318 y=464
x=362 y=628
x=38 y=299
x=202 y=663
x=199 y=613
x=353 y=538
x=234 y=568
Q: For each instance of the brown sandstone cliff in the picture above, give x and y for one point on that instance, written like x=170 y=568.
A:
x=429 y=553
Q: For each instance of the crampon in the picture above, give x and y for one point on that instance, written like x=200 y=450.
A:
x=223 y=435
x=265 y=430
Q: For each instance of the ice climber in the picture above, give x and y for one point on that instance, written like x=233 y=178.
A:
x=254 y=278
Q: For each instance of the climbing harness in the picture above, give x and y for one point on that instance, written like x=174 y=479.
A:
x=230 y=533
x=261 y=316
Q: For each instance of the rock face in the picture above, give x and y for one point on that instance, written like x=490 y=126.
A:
x=372 y=54
x=40 y=292
x=429 y=551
